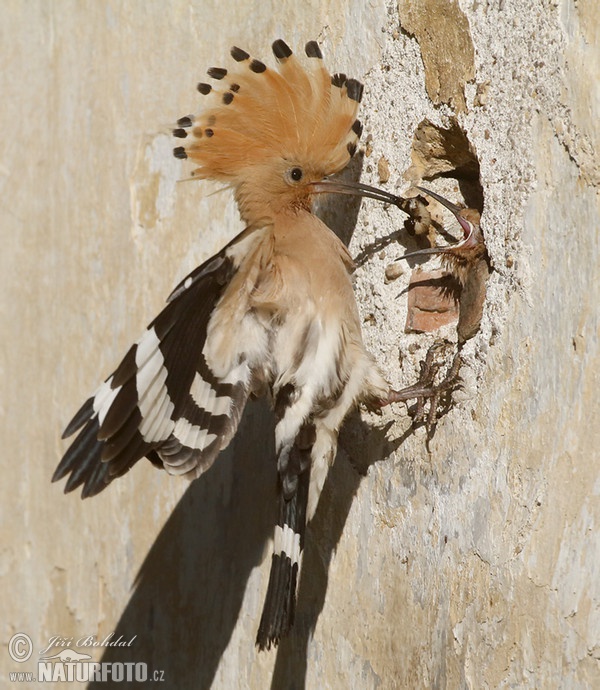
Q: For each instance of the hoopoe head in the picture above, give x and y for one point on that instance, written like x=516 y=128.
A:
x=273 y=134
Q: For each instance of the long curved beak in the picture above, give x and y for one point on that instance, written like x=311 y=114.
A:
x=448 y=204
x=359 y=189
x=471 y=231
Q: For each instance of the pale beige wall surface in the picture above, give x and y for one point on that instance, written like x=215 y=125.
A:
x=476 y=565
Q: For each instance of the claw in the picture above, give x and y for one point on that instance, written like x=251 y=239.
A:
x=427 y=390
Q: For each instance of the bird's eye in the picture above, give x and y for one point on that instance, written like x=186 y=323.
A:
x=296 y=174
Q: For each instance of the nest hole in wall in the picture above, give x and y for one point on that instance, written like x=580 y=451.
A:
x=446 y=152
x=436 y=298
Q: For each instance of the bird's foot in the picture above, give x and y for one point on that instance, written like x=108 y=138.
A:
x=426 y=389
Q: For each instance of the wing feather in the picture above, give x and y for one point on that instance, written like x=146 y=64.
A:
x=128 y=456
x=97 y=480
x=163 y=401
x=119 y=411
x=85 y=443
x=86 y=411
x=112 y=447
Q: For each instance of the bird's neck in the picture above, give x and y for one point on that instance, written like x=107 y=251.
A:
x=261 y=209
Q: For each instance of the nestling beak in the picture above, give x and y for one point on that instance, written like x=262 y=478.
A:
x=471 y=231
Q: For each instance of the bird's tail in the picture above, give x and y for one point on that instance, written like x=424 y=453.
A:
x=280 y=603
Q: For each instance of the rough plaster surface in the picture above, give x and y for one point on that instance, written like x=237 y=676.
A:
x=449 y=62
x=476 y=565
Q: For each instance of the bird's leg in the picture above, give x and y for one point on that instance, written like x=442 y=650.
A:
x=427 y=390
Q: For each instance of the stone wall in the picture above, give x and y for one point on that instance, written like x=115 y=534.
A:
x=471 y=561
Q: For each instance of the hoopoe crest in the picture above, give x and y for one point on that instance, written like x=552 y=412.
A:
x=271 y=133
x=272 y=313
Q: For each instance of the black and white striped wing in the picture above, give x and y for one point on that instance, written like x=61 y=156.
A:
x=162 y=401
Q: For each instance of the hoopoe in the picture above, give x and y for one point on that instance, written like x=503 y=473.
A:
x=273 y=312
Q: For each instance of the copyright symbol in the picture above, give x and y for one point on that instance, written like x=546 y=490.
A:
x=20 y=647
